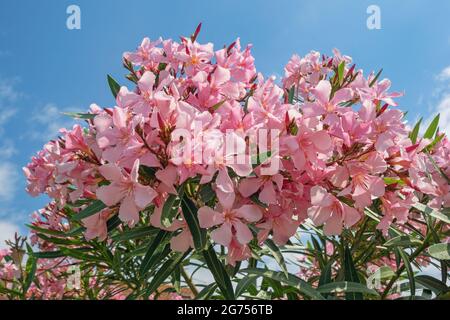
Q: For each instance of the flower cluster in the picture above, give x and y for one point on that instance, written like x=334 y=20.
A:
x=330 y=143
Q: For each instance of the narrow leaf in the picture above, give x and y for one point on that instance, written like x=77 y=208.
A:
x=113 y=85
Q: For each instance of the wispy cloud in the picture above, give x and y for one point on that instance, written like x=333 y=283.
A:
x=441 y=104
x=9 y=177
x=47 y=120
x=7 y=231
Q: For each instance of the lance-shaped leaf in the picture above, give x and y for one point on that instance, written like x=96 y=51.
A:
x=432 y=212
x=291 y=280
x=351 y=275
x=219 y=273
x=136 y=233
x=345 y=286
x=432 y=128
x=433 y=284
x=78 y=115
x=341 y=69
x=152 y=248
x=92 y=209
x=170 y=210
x=113 y=85
x=190 y=215
x=440 y=251
x=277 y=255
x=165 y=271
x=415 y=132
x=206 y=292
x=403 y=241
x=409 y=271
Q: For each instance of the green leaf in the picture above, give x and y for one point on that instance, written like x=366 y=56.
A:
x=325 y=275
x=291 y=94
x=135 y=233
x=415 y=132
x=219 y=273
x=432 y=128
x=30 y=269
x=376 y=78
x=147 y=262
x=170 y=210
x=277 y=255
x=244 y=283
x=440 y=251
x=350 y=274
x=218 y=105
x=258 y=159
x=341 y=69
x=164 y=271
x=409 y=271
x=190 y=215
x=390 y=180
x=291 y=280
x=78 y=115
x=432 y=212
x=433 y=284
x=48 y=254
x=403 y=241
x=206 y=292
x=92 y=209
x=345 y=286
x=113 y=85
x=207 y=193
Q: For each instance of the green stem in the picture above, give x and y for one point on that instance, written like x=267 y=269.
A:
x=189 y=282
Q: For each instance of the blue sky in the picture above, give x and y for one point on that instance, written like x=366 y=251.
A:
x=46 y=69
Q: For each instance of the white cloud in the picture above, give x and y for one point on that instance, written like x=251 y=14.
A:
x=445 y=74
x=442 y=104
x=443 y=108
x=7 y=231
x=47 y=121
x=7 y=149
x=9 y=178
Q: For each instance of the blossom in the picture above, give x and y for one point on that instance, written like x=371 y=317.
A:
x=328 y=210
x=231 y=221
x=126 y=189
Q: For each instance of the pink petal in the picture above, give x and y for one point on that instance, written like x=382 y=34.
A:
x=319 y=214
x=120 y=118
x=110 y=194
x=209 y=218
x=243 y=233
x=299 y=159
x=226 y=199
x=249 y=186
x=333 y=226
x=322 y=91
x=249 y=212
x=147 y=81
x=111 y=172
x=377 y=187
x=320 y=197
x=222 y=235
x=268 y=194
x=223 y=181
x=143 y=195
x=322 y=140
x=350 y=215
x=128 y=211
x=181 y=242
x=135 y=171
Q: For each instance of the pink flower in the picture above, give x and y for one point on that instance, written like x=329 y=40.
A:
x=96 y=225
x=325 y=104
x=328 y=210
x=231 y=221
x=268 y=195
x=280 y=221
x=126 y=189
